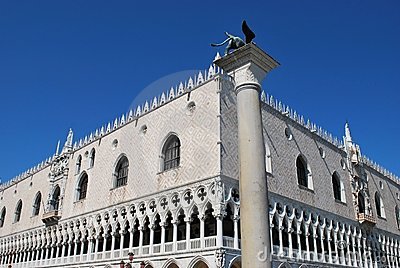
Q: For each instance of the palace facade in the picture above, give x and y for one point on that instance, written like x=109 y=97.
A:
x=161 y=181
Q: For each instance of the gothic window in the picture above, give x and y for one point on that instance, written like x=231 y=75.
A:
x=2 y=216
x=36 y=204
x=195 y=224
x=82 y=186
x=18 y=210
x=78 y=164
x=157 y=230
x=171 y=153
x=228 y=224
x=380 y=210
x=338 y=187
x=361 y=203
x=121 y=172
x=396 y=214
x=92 y=157
x=169 y=228
x=303 y=173
x=55 y=200
x=210 y=222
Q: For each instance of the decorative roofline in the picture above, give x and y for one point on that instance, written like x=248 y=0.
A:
x=30 y=172
x=174 y=92
x=299 y=119
x=166 y=96
x=375 y=166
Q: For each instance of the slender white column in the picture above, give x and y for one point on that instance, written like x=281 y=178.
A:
x=335 y=244
x=96 y=244
x=113 y=241
x=187 y=233
x=63 y=249
x=141 y=240
x=315 y=242
x=131 y=231
x=76 y=246
x=360 y=257
x=162 y=236
x=175 y=234
x=307 y=234
x=82 y=247
x=329 y=238
x=121 y=240
x=104 y=244
x=151 y=239
x=290 y=241
x=69 y=253
x=280 y=229
x=298 y=232
x=235 y=233
x=220 y=231
x=249 y=65
x=322 y=237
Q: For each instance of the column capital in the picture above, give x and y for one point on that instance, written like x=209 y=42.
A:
x=247 y=64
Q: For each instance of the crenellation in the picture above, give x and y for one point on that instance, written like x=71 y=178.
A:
x=377 y=167
x=190 y=85
x=200 y=79
x=154 y=104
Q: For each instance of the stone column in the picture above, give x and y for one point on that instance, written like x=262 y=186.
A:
x=151 y=239
x=121 y=241
x=140 y=240
x=248 y=66
x=187 y=220
x=175 y=234
x=220 y=239
x=131 y=238
x=235 y=232
x=113 y=234
x=162 y=237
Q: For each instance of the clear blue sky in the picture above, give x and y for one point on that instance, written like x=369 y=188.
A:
x=80 y=64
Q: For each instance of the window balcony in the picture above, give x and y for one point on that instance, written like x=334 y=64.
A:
x=50 y=218
x=366 y=219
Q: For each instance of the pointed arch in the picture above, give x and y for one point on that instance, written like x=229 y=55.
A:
x=2 y=216
x=170 y=152
x=92 y=157
x=36 y=204
x=55 y=198
x=82 y=186
x=284 y=265
x=304 y=177
x=198 y=262
x=227 y=222
x=181 y=224
x=78 y=165
x=361 y=203
x=148 y=264
x=170 y=263
x=397 y=216
x=169 y=228
x=236 y=262
x=121 y=171
x=380 y=209
x=18 y=211
x=210 y=222
x=338 y=188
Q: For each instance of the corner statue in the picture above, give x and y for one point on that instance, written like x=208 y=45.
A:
x=235 y=42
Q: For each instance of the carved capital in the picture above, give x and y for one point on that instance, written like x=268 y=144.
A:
x=220 y=258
